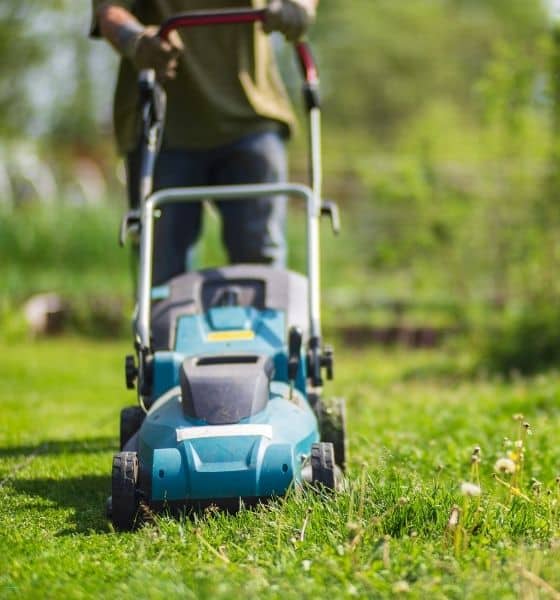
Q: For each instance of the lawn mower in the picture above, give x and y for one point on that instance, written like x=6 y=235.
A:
x=229 y=361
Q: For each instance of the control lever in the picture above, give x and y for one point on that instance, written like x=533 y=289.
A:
x=330 y=209
x=130 y=224
x=295 y=339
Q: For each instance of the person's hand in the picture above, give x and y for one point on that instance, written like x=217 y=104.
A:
x=152 y=52
x=290 y=17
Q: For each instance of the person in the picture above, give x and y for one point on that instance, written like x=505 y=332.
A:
x=228 y=118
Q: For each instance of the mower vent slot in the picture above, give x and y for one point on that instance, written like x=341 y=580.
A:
x=240 y=292
x=207 y=361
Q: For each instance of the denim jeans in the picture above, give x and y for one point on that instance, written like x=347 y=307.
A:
x=253 y=231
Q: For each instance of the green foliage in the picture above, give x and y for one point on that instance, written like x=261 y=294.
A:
x=14 y=103
x=441 y=144
x=64 y=248
x=385 y=62
x=526 y=342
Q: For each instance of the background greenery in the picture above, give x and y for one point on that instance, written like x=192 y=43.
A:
x=440 y=145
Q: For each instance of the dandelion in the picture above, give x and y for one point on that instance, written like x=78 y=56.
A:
x=518 y=417
x=352 y=526
x=519 y=444
x=470 y=489
x=475 y=456
x=505 y=465
x=401 y=587
x=453 y=518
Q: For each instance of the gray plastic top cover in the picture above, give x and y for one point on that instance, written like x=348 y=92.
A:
x=260 y=286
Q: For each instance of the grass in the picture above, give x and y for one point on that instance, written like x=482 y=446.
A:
x=414 y=420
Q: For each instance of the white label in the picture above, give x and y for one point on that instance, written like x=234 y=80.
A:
x=219 y=431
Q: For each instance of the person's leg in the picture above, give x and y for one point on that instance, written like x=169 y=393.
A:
x=253 y=231
x=178 y=228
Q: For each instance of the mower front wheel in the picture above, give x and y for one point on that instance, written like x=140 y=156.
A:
x=324 y=470
x=124 y=498
x=332 y=424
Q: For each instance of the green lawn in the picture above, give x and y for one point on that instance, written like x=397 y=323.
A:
x=414 y=421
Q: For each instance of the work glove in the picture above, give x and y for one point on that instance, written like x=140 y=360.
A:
x=149 y=51
x=290 y=17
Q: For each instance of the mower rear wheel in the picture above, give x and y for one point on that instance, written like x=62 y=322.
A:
x=132 y=418
x=124 y=498
x=324 y=470
x=332 y=424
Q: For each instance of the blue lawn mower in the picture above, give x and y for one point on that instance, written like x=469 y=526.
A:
x=229 y=362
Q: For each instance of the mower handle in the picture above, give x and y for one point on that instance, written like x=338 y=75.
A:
x=235 y=17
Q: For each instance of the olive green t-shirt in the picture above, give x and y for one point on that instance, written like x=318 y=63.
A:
x=227 y=84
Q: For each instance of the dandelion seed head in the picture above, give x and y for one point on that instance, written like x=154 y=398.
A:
x=401 y=587
x=352 y=526
x=454 y=517
x=518 y=443
x=352 y=590
x=505 y=465
x=470 y=489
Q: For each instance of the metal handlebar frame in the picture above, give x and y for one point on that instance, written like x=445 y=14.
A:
x=233 y=192
x=312 y=196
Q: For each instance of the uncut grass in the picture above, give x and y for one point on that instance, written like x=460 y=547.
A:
x=414 y=419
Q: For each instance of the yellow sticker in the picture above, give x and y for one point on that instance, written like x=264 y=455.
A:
x=231 y=336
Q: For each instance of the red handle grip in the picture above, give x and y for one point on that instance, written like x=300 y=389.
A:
x=200 y=18
x=307 y=63
x=235 y=17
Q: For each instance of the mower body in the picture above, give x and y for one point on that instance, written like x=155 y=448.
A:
x=224 y=420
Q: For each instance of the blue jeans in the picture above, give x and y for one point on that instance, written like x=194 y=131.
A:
x=253 y=231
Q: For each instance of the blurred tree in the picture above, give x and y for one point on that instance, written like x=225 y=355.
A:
x=384 y=61
x=46 y=78
x=19 y=51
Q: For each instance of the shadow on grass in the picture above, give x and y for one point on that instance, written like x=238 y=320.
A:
x=86 y=495
x=59 y=447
